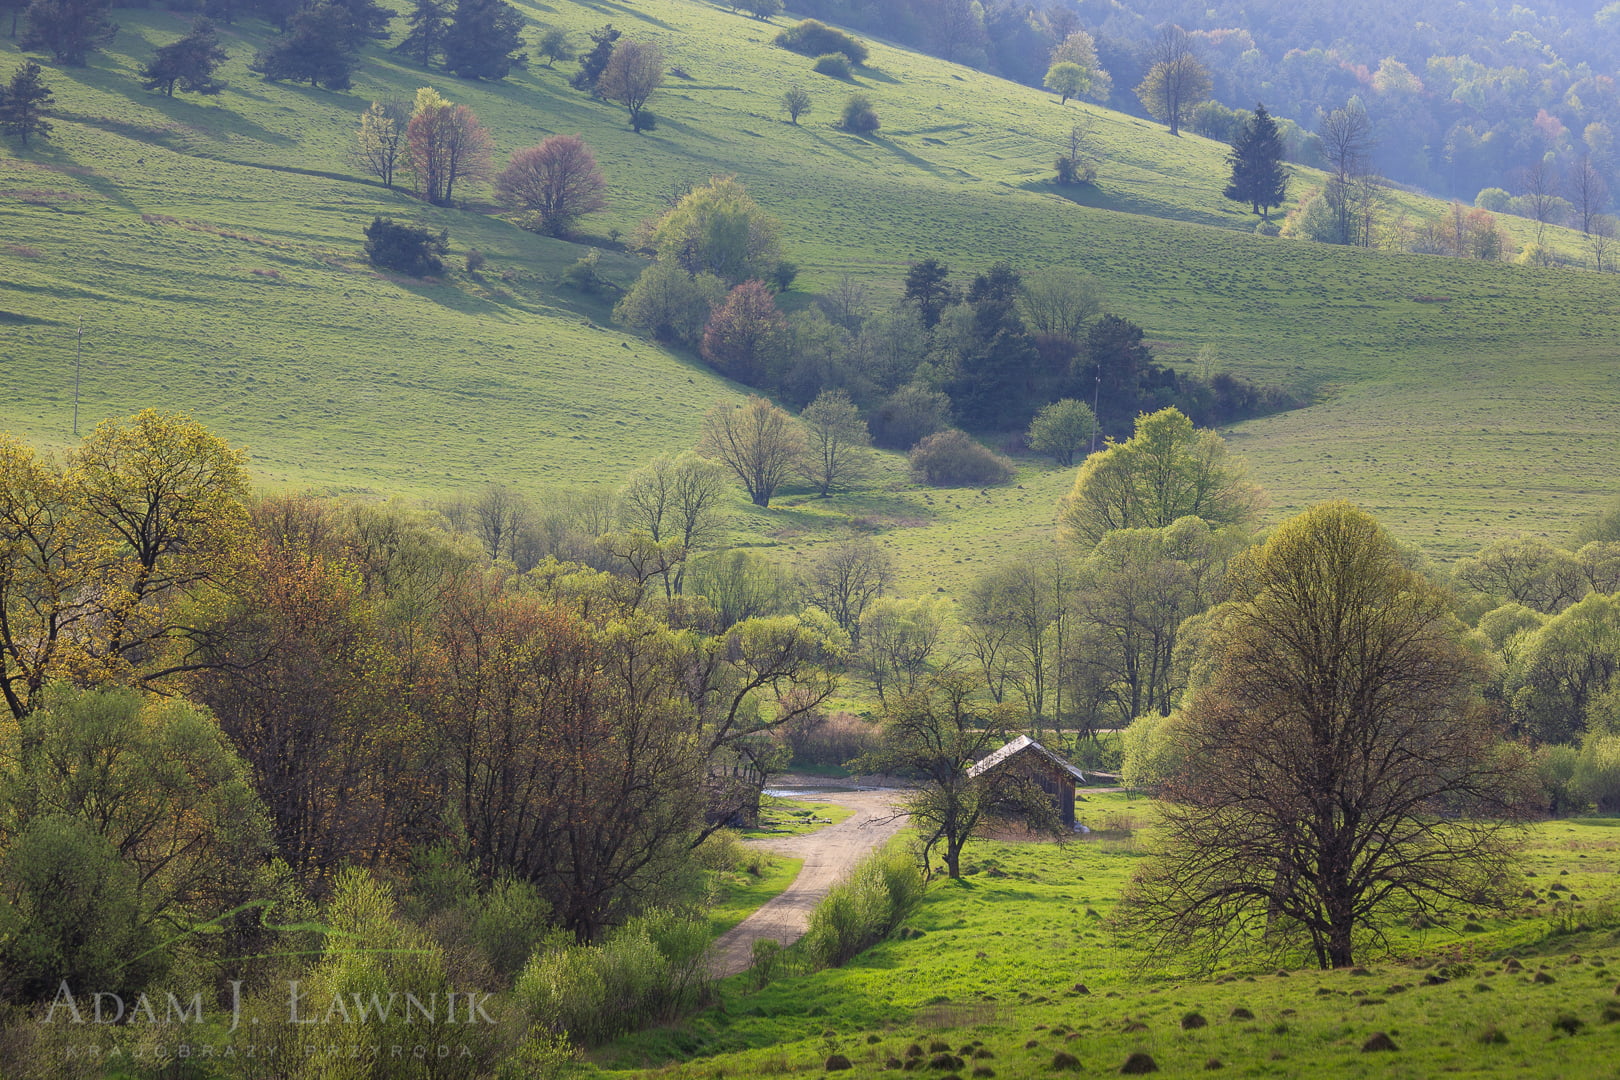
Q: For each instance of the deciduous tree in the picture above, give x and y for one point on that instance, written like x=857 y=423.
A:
x=1339 y=775
x=836 y=442
x=671 y=304
x=718 y=228
x=757 y=441
x=447 y=146
x=557 y=182
x=1062 y=430
x=1067 y=79
x=796 y=102
x=845 y=578
x=1176 y=80
x=633 y=72
x=746 y=335
x=380 y=147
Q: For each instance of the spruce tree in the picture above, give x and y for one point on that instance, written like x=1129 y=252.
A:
x=429 y=25
x=188 y=64
x=484 y=39
x=1258 y=175
x=593 y=62
x=23 y=102
x=68 y=29
x=321 y=48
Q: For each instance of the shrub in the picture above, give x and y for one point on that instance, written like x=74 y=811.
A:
x=1555 y=768
x=1597 y=772
x=475 y=261
x=408 y=249
x=953 y=459
x=834 y=64
x=862 y=911
x=815 y=38
x=583 y=275
x=858 y=115
x=647 y=970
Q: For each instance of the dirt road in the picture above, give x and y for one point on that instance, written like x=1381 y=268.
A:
x=829 y=854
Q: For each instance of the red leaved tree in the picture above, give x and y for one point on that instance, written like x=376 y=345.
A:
x=556 y=182
x=745 y=334
x=447 y=145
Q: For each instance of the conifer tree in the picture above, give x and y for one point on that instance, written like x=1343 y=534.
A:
x=1258 y=175
x=484 y=39
x=68 y=29
x=429 y=25
x=188 y=64
x=23 y=102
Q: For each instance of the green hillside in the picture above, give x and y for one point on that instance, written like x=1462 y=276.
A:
x=212 y=248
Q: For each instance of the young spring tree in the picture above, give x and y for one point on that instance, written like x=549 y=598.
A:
x=1079 y=48
x=447 y=146
x=1259 y=177
x=1067 y=79
x=556 y=183
x=554 y=46
x=23 y=102
x=1062 y=430
x=1176 y=81
x=1340 y=775
x=795 y=102
x=379 y=143
x=719 y=229
x=633 y=72
x=746 y=335
x=757 y=441
x=836 y=442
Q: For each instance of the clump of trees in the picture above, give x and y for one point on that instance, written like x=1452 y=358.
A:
x=69 y=30
x=815 y=38
x=409 y=249
x=1176 y=79
x=447 y=146
x=187 y=64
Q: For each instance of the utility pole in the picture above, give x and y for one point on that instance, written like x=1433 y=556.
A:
x=78 y=364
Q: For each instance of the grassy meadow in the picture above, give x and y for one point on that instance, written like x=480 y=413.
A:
x=1015 y=960
x=212 y=248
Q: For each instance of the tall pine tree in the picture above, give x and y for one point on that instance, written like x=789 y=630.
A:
x=23 y=102
x=429 y=25
x=188 y=64
x=1258 y=175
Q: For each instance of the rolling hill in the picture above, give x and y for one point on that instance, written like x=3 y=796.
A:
x=212 y=248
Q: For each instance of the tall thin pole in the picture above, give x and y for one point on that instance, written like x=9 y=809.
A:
x=78 y=364
x=1096 y=396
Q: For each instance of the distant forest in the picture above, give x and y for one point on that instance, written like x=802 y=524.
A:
x=1462 y=96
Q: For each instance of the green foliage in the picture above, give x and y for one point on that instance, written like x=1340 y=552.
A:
x=669 y=303
x=188 y=64
x=909 y=415
x=22 y=103
x=1597 y=772
x=409 y=249
x=859 y=115
x=954 y=458
x=647 y=970
x=881 y=892
x=1067 y=79
x=1155 y=751
x=834 y=64
x=1258 y=175
x=718 y=228
x=321 y=47
x=1062 y=430
x=814 y=38
x=796 y=102
x=69 y=29
x=483 y=39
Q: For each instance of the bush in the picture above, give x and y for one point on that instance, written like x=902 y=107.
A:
x=408 y=249
x=584 y=275
x=858 y=115
x=953 y=459
x=647 y=970
x=1153 y=751
x=1597 y=773
x=909 y=415
x=1555 y=768
x=815 y=38
x=862 y=911
x=818 y=739
x=475 y=261
x=834 y=64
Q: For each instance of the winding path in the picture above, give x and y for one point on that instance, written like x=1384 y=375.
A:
x=829 y=854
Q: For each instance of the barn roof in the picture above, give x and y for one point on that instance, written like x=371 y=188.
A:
x=1018 y=746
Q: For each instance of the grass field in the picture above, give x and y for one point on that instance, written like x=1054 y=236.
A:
x=212 y=249
x=1003 y=953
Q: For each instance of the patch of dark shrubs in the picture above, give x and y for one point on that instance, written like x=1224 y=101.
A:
x=833 y=64
x=812 y=37
x=953 y=459
x=407 y=249
x=859 y=116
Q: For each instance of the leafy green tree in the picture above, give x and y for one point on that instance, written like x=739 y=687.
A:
x=1526 y=570
x=763 y=9
x=671 y=304
x=1340 y=777
x=188 y=63
x=719 y=229
x=1165 y=471
x=1176 y=80
x=902 y=642
x=429 y=23
x=1080 y=49
x=23 y=102
x=796 y=102
x=484 y=39
x=68 y=29
x=836 y=441
x=554 y=45
x=1062 y=430
x=757 y=441
x=1564 y=669
x=1067 y=79
x=1259 y=177
x=844 y=579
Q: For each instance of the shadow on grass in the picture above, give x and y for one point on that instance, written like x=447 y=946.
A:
x=608 y=7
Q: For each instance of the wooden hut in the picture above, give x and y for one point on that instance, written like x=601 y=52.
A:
x=1029 y=758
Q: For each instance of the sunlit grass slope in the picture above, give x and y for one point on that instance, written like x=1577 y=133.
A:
x=212 y=248
x=1016 y=960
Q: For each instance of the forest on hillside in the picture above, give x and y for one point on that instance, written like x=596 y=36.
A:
x=1461 y=96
